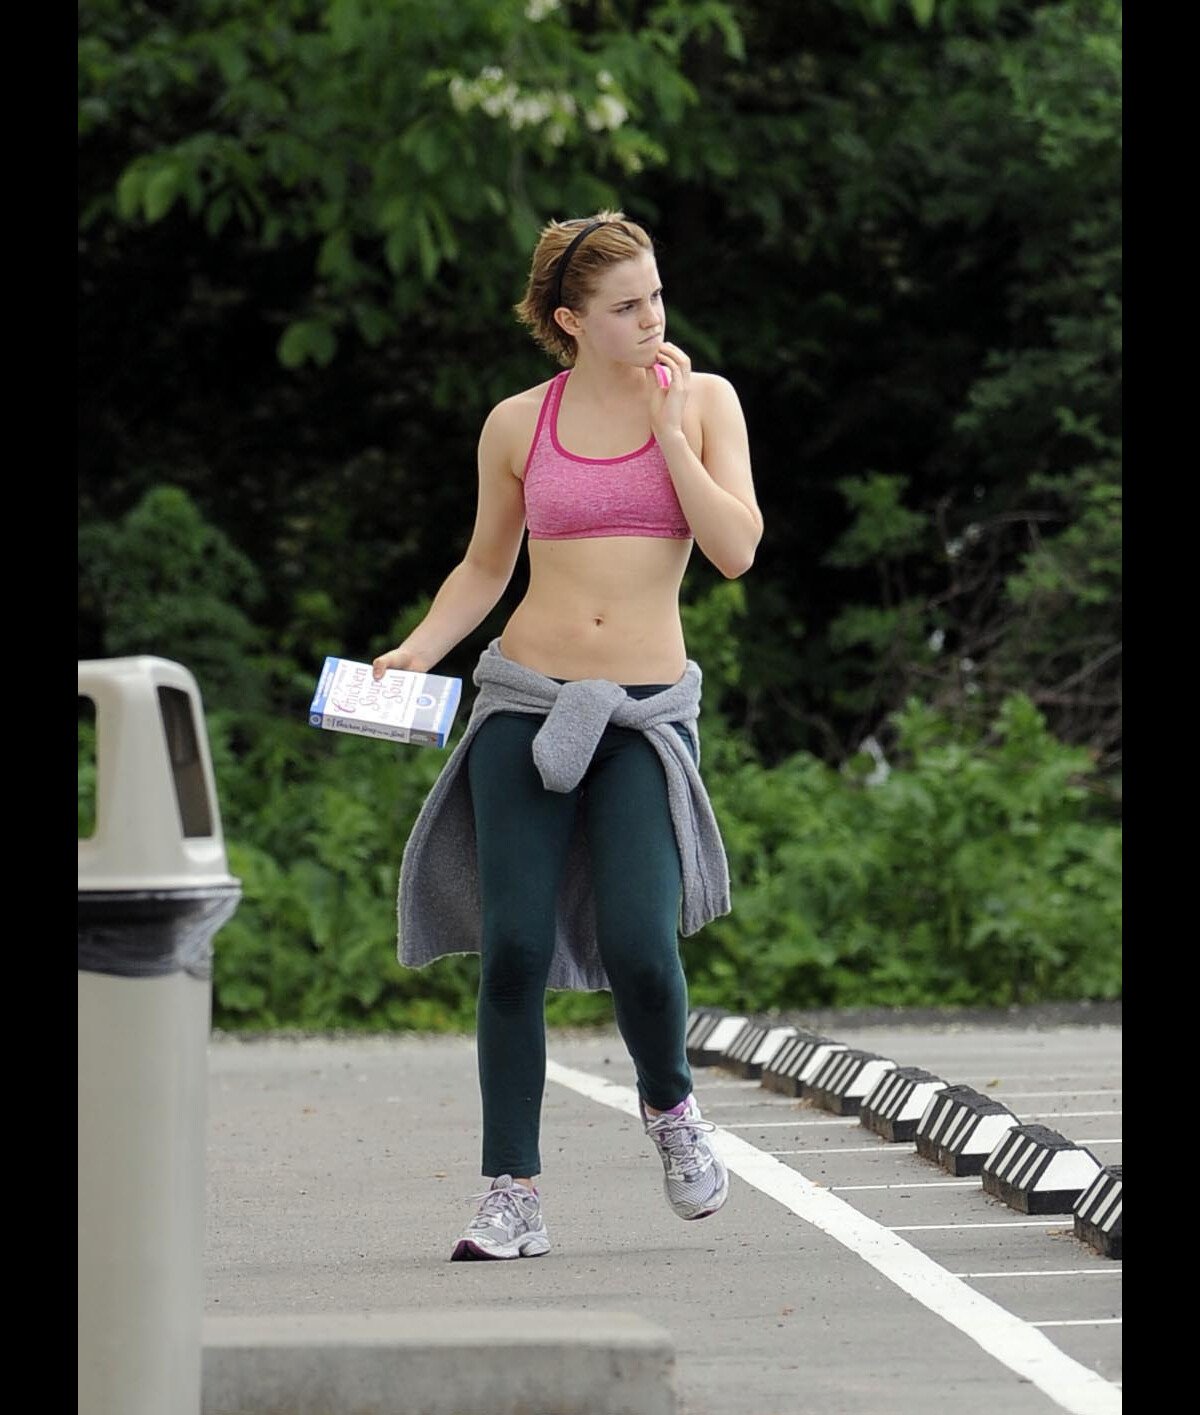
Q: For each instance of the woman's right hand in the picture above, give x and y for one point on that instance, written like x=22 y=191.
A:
x=401 y=657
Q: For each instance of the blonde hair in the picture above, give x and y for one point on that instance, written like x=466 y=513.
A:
x=616 y=241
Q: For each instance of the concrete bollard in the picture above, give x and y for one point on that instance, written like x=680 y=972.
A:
x=154 y=888
x=846 y=1078
x=960 y=1128
x=894 y=1106
x=754 y=1048
x=797 y=1061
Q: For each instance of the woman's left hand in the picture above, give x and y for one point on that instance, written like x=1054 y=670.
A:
x=666 y=404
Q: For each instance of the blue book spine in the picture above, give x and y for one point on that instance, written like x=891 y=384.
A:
x=324 y=684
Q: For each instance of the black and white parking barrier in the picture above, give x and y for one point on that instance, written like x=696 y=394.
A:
x=742 y=1037
x=894 y=1106
x=743 y=1047
x=700 y=1024
x=701 y=1021
x=960 y=1128
x=796 y=1062
x=845 y=1079
x=713 y=1039
x=1098 y=1213
x=1038 y=1171
x=754 y=1047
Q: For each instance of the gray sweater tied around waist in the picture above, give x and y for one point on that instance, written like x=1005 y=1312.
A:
x=439 y=906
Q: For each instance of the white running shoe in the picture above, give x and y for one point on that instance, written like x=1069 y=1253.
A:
x=509 y=1224
x=695 y=1180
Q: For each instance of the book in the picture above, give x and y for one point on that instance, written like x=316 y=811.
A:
x=402 y=706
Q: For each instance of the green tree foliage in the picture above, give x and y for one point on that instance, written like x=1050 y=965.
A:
x=974 y=870
x=385 y=139
x=893 y=224
x=164 y=581
x=971 y=874
x=969 y=184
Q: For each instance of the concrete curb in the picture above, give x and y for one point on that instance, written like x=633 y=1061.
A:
x=461 y=1362
x=1019 y=1015
x=1085 y=1013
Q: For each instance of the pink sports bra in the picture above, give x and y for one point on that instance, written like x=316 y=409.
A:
x=573 y=498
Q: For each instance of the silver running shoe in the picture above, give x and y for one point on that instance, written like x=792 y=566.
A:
x=695 y=1180
x=509 y=1224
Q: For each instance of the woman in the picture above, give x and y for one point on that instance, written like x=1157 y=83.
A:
x=580 y=826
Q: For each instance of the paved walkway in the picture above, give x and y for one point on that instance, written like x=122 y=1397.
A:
x=338 y=1170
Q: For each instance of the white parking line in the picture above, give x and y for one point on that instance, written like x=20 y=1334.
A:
x=854 y=1120
x=1082 y=1322
x=985 y=1082
x=788 y=1124
x=1058 y=1221
x=924 y=1184
x=1053 y=1272
x=784 y=1124
x=773 y=1097
x=778 y=1105
x=1070 y=1114
x=999 y=1093
x=895 y=1151
x=727 y=1085
x=1012 y=1341
x=885 y=1145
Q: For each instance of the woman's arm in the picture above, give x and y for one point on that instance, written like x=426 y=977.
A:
x=473 y=588
x=716 y=493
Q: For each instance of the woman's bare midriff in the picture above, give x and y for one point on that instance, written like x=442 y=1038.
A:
x=602 y=607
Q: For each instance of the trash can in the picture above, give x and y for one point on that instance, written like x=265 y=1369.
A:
x=154 y=888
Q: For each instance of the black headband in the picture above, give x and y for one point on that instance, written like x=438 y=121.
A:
x=565 y=260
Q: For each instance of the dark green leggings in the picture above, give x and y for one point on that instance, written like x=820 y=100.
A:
x=522 y=832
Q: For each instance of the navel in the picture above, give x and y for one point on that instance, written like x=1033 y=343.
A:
x=597 y=621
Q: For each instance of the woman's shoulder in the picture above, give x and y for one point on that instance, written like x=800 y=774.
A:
x=717 y=401
x=513 y=420
x=516 y=410
x=713 y=387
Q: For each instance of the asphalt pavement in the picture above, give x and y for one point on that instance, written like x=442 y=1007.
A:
x=340 y=1170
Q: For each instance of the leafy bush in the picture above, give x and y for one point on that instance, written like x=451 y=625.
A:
x=971 y=871
x=972 y=875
